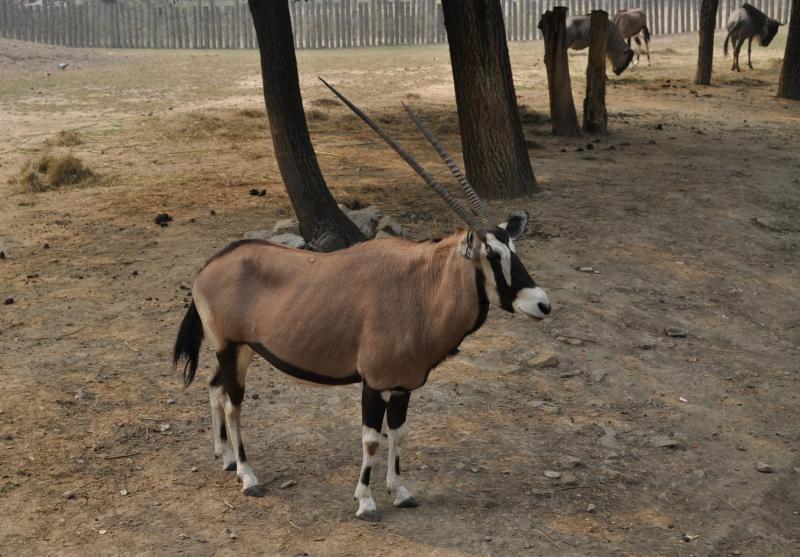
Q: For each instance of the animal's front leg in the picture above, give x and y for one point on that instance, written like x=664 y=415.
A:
x=396 y=422
x=221 y=446
x=373 y=408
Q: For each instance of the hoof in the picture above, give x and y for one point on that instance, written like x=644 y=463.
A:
x=254 y=491
x=369 y=516
x=409 y=503
x=230 y=467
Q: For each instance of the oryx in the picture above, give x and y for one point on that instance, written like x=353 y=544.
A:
x=630 y=23
x=383 y=313
x=747 y=22
x=579 y=35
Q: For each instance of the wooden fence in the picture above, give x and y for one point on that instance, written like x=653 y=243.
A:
x=316 y=23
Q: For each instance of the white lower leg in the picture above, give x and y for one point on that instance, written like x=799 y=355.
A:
x=370 y=441
x=394 y=483
x=243 y=470
x=221 y=446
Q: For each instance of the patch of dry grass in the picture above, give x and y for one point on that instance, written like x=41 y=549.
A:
x=65 y=138
x=238 y=125
x=50 y=172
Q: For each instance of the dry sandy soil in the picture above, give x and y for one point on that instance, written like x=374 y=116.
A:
x=688 y=213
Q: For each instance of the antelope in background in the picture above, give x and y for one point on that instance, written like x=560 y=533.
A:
x=630 y=23
x=748 y=22
x=383 y=313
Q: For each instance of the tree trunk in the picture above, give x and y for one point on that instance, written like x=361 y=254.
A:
x=562 y=109
x=322 y=224
x=595 y=116
x=705 y=53
x=495 y=155
x=789 y=84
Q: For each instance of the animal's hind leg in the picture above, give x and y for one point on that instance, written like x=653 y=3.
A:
x=749 y=48
x=396 y=422
x=221 y=446
x=373 y=408
x=638 y=48
x=647 y=49
x=233 y=362
x=739 y=43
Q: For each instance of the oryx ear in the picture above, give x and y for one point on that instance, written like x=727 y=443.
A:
x=467 y=245
x=517 y=221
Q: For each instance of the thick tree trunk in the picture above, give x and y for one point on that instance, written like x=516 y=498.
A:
x=562 y=109
x=322 y=224
x=789 y=84
x=595 y=116
x=705 y=52
x=495 y=154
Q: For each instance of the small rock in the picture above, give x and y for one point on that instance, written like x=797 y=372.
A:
x=193 y=469
x=258 y=235
x=586 y=269
x=676 y=333
x=682 y=399
x=796 y=470
x=255 y=396
x=664 y=441
x=567 y=478
x=171 y=401
x=257 y=193
x=287 y=226
x=2 y=255
x=162 y=219
x=8 y=301
x=287 y=484
x=590 y=508
x=390 y=226
x=579 y=150
x=589 y=146
x=546 y=360
x=598 y=375
x=163 y=427
x=609 y=440
x=69 y=495
x=102 y=531
x=123 y=492
x=184 y=536
x=231 y=534
x=567 y=374
x=658 y=127
x=366 y=220
x=699 y=475
x=764 y=468
x=290 y=240
x=546 y=406
x=688 y=538
x=568 y=461
x=552 y=474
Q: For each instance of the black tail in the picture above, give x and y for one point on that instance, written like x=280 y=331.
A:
x=646 y=33
x=187 y=345
x=727 y=38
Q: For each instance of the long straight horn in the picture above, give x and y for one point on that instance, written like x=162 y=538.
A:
x=454 y=204
x=477 y=203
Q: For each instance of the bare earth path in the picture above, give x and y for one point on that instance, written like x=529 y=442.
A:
x=688 y=215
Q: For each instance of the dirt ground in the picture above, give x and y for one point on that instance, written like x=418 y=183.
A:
x=687 y=214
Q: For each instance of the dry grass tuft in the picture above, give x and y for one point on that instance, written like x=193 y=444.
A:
x=65 y=138
x=316 y=116
x=326 y=102
x=252 y=113
x=530 y=116
x=233 y=125
x=53 y=172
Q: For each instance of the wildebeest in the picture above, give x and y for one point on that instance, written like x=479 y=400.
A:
x=579 y=35
x=745 y=23
x=630 y=23
x=382 y=313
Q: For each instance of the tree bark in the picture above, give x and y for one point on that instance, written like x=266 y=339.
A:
x=789 y=84
x=495 y=155
x=322 y=224
x=563 y=117
x=595 y=116
x=705 y=52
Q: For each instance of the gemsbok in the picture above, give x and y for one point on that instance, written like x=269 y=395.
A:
x=383 y=313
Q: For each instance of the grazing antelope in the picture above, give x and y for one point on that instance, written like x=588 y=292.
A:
x=579 y=35
x=745 y=23
x=383 y=313
x=630 y=23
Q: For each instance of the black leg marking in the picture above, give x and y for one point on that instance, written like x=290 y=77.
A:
x=397 y=409
x=223 y=432
x=242 y=455
x=397 y=465
x=373 y=408
x=365 y=475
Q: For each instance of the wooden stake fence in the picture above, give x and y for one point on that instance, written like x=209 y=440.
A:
x=316 y=23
